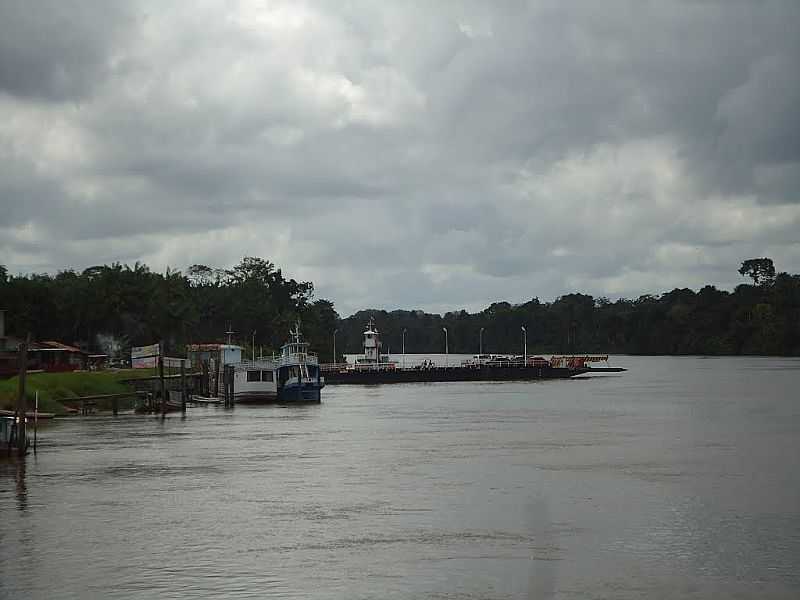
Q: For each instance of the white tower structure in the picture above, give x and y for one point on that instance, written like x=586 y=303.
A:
x=372 y=343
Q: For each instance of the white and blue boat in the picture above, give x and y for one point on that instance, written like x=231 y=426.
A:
x=293 y=376
x=298 y=374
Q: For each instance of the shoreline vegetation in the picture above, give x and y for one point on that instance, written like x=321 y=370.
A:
x=56 y=390
x=107 y=309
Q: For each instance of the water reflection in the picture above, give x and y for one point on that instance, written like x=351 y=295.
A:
x=12 y=467
x=545 y=550
x=20 y=487
x=646 y=485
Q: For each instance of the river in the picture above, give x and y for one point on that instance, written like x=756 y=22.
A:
x=676 y=479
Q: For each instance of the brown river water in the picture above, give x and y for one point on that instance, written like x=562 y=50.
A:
x=677 y=479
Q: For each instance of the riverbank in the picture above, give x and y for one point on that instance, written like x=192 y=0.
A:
x=57 y=389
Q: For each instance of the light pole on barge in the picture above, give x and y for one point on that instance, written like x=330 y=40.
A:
x=404 y=348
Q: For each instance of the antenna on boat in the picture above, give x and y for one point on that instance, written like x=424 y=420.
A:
x=230 y=332
x=295 y=335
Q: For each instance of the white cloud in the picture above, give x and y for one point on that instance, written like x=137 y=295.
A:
x=427 y=155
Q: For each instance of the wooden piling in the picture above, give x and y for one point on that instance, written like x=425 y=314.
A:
x=35 y=420
x=163 y=385
x=21 y=399
x=225 y=389
x=183 y=386
x=204 y=387
x=230 y=385
x=227 y=385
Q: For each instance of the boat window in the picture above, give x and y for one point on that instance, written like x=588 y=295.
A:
x=254 y=376
x=266 y=376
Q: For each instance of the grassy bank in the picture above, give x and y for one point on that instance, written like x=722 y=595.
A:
x=56 y=389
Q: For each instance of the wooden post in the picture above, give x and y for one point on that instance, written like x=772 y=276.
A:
x=183 y=386
x=115 y=405
x=225 y=388
x=204 y=378
x=21 y=399
x=216 y=377
x=35 y=420
x=231 y=384
x=163 y=386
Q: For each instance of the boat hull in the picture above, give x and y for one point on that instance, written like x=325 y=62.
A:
x=297 y=393
x=255 y=397
x=484 y=373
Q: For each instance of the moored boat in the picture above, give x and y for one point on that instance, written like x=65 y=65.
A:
x=254 y=381
x=292 y=376
x=298 y=374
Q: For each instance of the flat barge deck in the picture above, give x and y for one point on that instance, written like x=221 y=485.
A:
x=374 y=367
x=374 y=376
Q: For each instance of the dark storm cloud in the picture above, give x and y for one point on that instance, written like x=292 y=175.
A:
x=58 y=49
x=429 y=155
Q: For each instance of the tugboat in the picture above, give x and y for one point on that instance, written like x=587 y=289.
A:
x=297 y=371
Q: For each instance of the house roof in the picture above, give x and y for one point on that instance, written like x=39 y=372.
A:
x=12 y=343
x=210 y=347
x=52 y=345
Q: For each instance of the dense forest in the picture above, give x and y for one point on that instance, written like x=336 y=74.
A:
x=113 y=307
x=758 y=318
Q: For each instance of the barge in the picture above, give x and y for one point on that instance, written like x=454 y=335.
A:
x=375 y=368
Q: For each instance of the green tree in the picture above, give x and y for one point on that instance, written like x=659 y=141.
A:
x=760 y=270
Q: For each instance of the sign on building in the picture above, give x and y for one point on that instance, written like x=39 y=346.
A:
x=145 y=357
x=171 y=362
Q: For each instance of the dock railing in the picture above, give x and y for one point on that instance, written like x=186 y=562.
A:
x=341 y=366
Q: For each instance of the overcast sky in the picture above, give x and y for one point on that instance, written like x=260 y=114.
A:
x=433 y=155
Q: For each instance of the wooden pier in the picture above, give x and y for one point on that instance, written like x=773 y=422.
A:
x=165 y=393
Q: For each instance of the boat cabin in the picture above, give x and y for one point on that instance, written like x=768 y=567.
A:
x=372 y=358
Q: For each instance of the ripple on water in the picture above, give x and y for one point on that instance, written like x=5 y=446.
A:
x=646 y=485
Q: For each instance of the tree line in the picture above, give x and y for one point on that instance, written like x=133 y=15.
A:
x=758 y=318
x=112 y=307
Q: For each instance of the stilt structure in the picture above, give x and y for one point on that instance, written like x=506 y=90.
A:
x=162 y=385
x=183 y=386
x=21 y=434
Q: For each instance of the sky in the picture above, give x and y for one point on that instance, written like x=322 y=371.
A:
x=418 y=155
